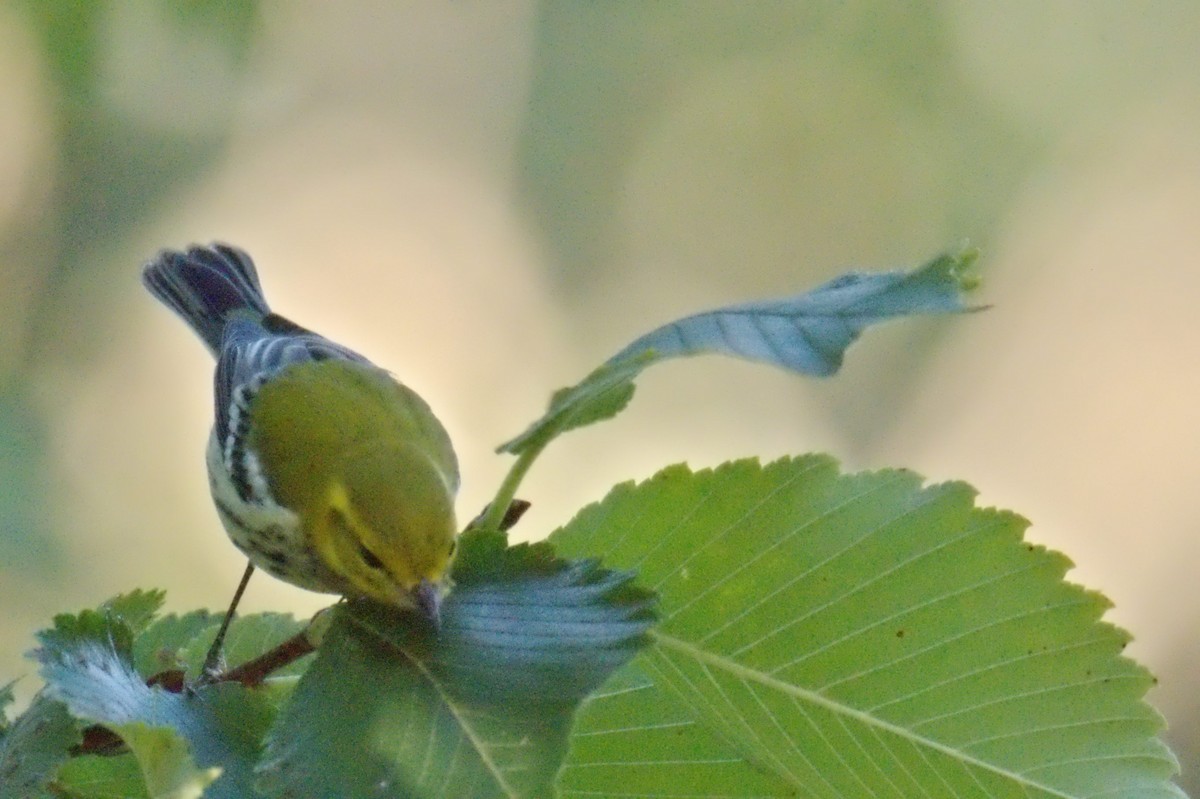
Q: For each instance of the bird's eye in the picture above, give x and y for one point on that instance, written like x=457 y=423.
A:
x=369 y=557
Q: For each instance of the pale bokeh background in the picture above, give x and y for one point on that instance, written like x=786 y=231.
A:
x=491 y=198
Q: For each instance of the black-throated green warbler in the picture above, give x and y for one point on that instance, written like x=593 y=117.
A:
x=326 y=472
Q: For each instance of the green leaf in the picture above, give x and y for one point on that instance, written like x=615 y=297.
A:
x=178 y=739
x=482 y=707
x=70 y=629
x=602 y=395
x=810 y=333
x=163 y=645
x=136 y=609
x=633 y=739
x=103 y=777
x=247 y=638
x=166 y=762
x=860 y=636
x=182 y=642
x=807 y=334
x=33 y=746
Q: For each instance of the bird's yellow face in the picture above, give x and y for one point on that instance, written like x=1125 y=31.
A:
x=385 y=525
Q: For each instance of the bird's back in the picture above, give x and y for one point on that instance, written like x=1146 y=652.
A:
x=303 y=427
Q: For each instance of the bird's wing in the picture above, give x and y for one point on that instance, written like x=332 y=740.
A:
x=250 y=354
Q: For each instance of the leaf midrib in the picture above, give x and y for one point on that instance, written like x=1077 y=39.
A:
x=742 y=672
x=465 y=725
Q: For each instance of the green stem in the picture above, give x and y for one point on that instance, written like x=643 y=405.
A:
x=508 y=488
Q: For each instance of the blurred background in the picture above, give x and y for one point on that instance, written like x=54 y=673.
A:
x=489 y=199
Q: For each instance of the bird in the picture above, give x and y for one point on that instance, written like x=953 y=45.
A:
x=326 y=471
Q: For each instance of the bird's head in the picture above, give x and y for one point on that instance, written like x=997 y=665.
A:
x=385 y=527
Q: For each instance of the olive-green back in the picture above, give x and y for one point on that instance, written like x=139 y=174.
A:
x=307 y=417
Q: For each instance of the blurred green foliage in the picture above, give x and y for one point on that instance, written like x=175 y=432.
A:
x=824 y=84
x=110 y=165
x=114 y=163
x=25 y=539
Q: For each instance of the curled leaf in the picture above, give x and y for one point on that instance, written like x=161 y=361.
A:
x=808 y=334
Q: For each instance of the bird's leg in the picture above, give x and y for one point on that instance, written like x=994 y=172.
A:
x=212 y=659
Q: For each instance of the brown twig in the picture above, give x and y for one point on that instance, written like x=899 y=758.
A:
x=252 y=673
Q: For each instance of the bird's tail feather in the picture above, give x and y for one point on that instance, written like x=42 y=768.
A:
x=206 y=286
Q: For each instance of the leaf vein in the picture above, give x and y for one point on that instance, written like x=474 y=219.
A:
x=662 y=640
x=767 y=551
x=851 y=590
x=1100 y=680
x=984 y=669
